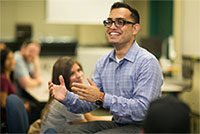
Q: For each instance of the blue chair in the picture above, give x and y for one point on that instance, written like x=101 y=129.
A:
x=50 y=131
x=17 y=117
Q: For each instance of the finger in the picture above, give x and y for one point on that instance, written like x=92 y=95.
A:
x=79 y=85
x=76 y=89
x=90 y=82
x=81 y=97
x=62 y=81
x=49 y=82
x=51 y=90
x=82 y=94
x=51 y=85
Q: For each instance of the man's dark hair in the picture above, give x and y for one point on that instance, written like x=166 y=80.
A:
x=134 y=12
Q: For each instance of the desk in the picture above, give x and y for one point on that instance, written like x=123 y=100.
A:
x=170 y=87
x=174 y=86
x=41 y=93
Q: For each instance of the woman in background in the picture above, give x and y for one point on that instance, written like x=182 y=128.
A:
x=55 y=115
x=7 y=87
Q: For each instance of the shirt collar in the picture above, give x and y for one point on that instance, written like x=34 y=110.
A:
x=130 y=55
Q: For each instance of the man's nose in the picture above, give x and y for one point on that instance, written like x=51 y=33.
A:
x=113 y=25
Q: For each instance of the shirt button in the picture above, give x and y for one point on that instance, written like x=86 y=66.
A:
x=117 y=83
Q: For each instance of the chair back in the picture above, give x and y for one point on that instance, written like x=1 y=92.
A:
x=16 y=114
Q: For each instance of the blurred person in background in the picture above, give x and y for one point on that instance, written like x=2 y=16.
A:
x=27 y=74
x=7 y=86
x=167 y=115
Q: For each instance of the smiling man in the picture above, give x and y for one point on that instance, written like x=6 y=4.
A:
x=125 y=81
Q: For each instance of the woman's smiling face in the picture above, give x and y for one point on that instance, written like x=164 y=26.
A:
x=76 y=74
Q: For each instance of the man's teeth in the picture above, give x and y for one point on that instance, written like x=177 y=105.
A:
x=114 y=33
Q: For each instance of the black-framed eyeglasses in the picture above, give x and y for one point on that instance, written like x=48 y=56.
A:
x=119 y=22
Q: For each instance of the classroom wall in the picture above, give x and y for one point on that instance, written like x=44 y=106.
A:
x=32 y=12
x=192 y=96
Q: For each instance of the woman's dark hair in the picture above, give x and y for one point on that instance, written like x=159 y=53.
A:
x=134 y=13
x=62 y=67
x=3 y=55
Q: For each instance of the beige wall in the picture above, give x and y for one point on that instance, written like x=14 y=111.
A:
x=33 y=12
x=192 y=96
x=143 y=8
x=30 y=12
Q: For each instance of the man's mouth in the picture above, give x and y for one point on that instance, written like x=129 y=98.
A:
x=114 y=33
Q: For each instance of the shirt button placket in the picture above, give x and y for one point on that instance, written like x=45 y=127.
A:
x=118 y=77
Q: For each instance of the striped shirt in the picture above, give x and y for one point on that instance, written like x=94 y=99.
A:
x=129 y=85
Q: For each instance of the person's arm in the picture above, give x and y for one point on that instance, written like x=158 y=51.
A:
x=36 y=73
x=90 y=117
x=79 y=121
x=22 y=75
x=27 y=82
x=3 y=96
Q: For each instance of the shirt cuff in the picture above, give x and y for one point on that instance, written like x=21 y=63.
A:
x=68 y=98
x=107 y=101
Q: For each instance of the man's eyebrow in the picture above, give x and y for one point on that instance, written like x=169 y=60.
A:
x=116 y=18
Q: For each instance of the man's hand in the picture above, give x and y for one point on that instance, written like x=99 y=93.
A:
x=89 y=93
x=59 y=92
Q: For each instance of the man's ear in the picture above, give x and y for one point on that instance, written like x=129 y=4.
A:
x=136 y=28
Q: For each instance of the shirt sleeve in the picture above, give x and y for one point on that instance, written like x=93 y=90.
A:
x=75 y=105
x=20 y=69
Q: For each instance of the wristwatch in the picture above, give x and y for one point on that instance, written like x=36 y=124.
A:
x=99 y=101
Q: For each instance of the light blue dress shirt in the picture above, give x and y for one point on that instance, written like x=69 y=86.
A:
x=129 y=85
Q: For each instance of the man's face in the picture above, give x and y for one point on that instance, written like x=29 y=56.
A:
x=120 y=35
x=31 y=52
